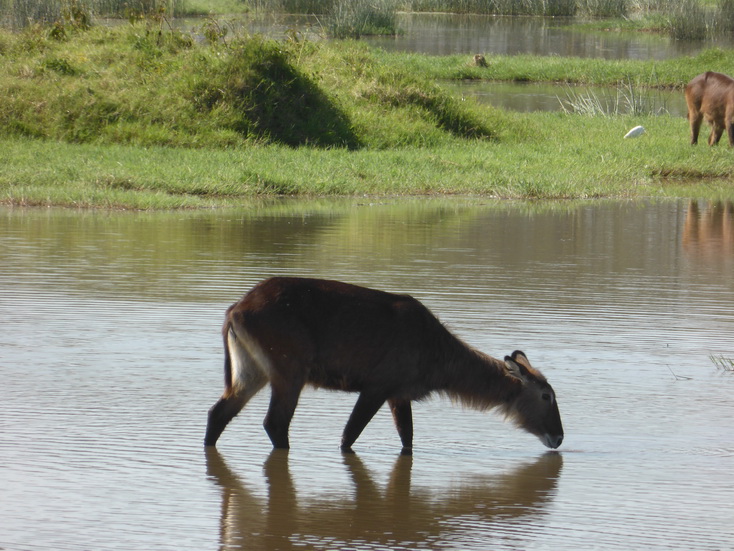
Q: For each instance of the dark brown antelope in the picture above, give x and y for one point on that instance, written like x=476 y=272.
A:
x=710 y=96
x=387 y=347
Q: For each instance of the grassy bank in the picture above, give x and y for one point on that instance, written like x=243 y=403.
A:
x=568 y=157
x=669 y=73
x=137 y=117
x=138 y=85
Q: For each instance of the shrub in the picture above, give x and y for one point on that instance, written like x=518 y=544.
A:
x=269 y=99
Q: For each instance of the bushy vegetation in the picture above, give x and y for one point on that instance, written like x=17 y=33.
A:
x=143 y=84
x=21 y=13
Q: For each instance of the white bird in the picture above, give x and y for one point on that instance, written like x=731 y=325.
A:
x=635 y=132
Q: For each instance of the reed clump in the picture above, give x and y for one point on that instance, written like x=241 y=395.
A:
x=19 y=14
x=722 y=362
x=604 y=8
x=687 y=19
x=341 y=18
x=628 y=97
x=355 y=18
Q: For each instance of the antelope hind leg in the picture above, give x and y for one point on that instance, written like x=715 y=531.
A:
x=364 y=410
x=229 y=405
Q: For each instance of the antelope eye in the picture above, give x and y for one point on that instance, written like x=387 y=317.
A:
x=546 y=396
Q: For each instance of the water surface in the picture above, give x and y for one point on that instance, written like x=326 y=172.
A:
x=530 y=97
x=448 y=34
x=110 y=357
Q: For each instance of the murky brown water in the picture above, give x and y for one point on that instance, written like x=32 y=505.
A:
x=110 y=357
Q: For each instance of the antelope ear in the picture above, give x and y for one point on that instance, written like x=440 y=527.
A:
x=515 y=369
x=520 y=358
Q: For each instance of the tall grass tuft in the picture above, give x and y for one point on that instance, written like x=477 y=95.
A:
x=605 y=8
x=355 y=18
x=21 y=13
x=687 y=20
x=725 y=16
x=628 y=98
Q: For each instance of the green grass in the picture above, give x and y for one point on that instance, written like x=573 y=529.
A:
x=139 y=117
x=139 y=86
x=567 y=157
x=669 y=73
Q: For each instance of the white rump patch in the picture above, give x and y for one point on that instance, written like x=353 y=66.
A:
x=250 y=365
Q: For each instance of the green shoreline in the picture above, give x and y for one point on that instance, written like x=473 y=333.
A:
x=140 y=119
x=39 y=173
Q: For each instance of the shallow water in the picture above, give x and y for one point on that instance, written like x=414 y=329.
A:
x=110 y=355
x=530 y=97
x=448 y=34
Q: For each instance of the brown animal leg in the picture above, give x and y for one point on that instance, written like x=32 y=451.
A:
x=229 y=405
x=716 y=132
x=730 y=131
x=364 y=410
x=403 y=415
x=283 y=402
x=695 y=128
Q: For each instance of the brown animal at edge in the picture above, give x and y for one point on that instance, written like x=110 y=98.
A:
x=710 y=96
x=389 y=348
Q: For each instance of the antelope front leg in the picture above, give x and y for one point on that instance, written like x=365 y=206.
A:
x=403 y=415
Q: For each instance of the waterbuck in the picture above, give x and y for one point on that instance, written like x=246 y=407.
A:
x=387 y=347
x=710 y=96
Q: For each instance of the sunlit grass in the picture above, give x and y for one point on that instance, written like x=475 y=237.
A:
x=567 y=157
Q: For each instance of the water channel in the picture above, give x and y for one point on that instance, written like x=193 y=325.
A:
x=110 y=356
x=448 y=34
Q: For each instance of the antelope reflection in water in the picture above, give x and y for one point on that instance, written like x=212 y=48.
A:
x=708 y=233
x=373 y=517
